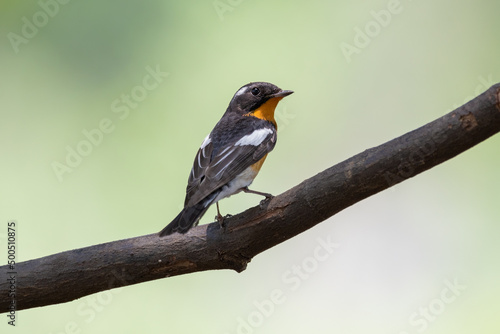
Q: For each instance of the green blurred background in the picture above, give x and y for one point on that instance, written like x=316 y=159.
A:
x=397 y=252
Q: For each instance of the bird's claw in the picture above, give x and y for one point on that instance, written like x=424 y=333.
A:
x=221 y=220
x=265 y=201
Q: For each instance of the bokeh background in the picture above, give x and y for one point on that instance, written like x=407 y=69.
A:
x=422 y=256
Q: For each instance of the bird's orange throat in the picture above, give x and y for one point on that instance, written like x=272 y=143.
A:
x=266 y=111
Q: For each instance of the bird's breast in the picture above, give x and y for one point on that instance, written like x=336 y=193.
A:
x=242 y=180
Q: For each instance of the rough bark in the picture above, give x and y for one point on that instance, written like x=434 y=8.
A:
x=73 y=274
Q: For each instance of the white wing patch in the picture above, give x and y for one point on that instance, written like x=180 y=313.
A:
x=255 y=138
x=206 y=141
x=199 y=162
x=202 y=153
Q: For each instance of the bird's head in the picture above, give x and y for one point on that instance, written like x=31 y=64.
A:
x=258 y=99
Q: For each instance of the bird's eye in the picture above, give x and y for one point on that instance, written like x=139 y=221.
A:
x=255 y=91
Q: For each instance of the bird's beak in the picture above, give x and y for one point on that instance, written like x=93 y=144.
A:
x=282 y=93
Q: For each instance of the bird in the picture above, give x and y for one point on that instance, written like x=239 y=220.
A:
x=232 y=154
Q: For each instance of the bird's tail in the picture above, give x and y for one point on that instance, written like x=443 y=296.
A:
x=188 y=217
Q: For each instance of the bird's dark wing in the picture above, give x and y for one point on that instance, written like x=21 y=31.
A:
x=219 y=160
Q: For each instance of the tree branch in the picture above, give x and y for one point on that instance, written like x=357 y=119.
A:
x=72 y=274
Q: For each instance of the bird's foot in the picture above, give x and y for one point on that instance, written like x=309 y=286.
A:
x=221 y=220
x=265 y=200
